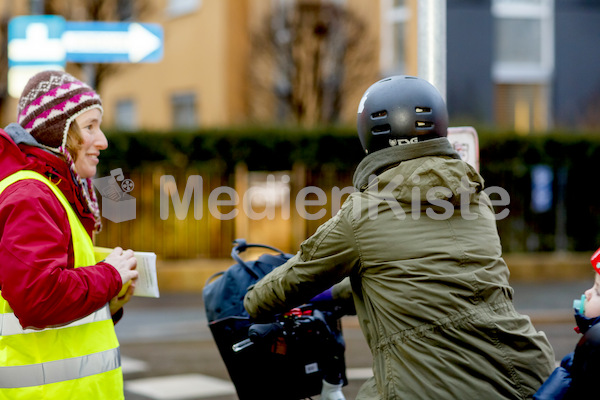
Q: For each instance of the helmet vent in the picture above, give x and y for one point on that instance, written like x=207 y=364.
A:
x=422 y=110
x=379 y=114
x=423 y=124
x=381 y=129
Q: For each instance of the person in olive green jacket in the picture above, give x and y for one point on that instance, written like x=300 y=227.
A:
x=419 y=242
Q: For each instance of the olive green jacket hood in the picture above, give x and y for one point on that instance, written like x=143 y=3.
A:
x=383 y=159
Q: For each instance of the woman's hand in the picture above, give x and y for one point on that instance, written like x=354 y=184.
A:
x=125 y=263
x=117 y=302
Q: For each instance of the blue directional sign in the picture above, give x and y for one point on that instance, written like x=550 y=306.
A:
x=40 y=42
x=36 y=40
x=113 y=42
x=50 y=39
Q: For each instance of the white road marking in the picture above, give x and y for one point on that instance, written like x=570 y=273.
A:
x=179 y=387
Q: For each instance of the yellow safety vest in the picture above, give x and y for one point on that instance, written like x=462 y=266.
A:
x=80 y=360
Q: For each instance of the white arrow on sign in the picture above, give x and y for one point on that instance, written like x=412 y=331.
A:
x=137 y=42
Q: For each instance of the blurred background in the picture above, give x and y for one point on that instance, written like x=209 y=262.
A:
x=260 y=96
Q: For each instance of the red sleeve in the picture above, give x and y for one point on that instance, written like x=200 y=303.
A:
x=36 y=258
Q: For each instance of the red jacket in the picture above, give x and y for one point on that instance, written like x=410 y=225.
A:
x=37 y=277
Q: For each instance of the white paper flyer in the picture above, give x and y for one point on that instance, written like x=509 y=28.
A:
x=147 y=282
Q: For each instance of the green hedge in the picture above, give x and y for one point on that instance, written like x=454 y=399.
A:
x=506 y=161
x=269 y=149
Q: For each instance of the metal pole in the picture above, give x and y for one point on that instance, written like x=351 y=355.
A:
x=431 y=17
x=37 y=7
x=89 y=71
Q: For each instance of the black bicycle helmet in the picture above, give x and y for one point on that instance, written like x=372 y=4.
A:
x=398 y=110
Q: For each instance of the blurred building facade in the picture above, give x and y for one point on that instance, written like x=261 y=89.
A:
x=527 y=65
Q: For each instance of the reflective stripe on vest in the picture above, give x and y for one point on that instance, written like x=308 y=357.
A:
x=9 y=323
x=77 y=360
x=58 y=371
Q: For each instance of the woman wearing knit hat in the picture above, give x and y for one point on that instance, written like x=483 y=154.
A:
x=58 y=304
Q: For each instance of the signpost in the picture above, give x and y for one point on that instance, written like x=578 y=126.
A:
x=112 y=42
x=40 y=42
x=431 y=22
x=36 y=40
x=465 y=141
x=431 y=31
x=34 y=44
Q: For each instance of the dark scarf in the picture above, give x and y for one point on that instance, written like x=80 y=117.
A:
x=584 y=323
x=380 y=160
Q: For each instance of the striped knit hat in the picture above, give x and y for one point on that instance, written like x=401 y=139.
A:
x=50 y=101
x=48 y=105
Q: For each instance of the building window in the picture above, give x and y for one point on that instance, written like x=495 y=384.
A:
x=183 y=106
x=126 y=115
x=524 y=38
x=176 y=8
x=394 y=32
x=522 y=107
x=523 y=62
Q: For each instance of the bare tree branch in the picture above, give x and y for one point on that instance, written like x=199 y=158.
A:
x=306 y=58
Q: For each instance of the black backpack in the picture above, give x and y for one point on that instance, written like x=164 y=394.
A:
x=224 y=297
x=284 y=358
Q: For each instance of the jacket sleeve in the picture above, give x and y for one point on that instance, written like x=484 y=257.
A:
x=586 y=364
x=36 y=274
x=556 y=386
x=324 y=259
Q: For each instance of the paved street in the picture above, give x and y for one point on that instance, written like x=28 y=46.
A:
x=169 y=354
